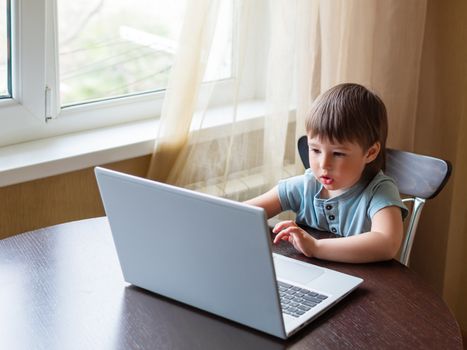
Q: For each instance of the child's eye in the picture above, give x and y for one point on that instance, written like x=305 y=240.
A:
x=339 y=154
x=314 y=150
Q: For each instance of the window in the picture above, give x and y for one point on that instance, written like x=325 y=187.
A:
x=83 y=65
x=118 y=48
x=5 y=76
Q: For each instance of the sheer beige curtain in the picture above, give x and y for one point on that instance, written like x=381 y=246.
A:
x=182 y=92
x=311 y=45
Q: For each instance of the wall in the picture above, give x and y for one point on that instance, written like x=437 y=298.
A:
x=439 y=253
x=56 y=199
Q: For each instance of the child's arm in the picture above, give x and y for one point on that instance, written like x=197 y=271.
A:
x=382 y=243
x=269 y=201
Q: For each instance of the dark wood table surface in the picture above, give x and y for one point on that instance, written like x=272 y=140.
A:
x=61 y=288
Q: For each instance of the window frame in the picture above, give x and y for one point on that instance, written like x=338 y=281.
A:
x=35 y=83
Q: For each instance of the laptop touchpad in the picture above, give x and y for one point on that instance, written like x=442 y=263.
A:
x=296 y=272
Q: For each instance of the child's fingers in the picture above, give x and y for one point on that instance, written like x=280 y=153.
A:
x=288 y=234
x=281 y=236
x=283 y=225
x=293 y=235
x=297 y=237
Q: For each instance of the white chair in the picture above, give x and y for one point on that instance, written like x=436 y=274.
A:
x=418 y=178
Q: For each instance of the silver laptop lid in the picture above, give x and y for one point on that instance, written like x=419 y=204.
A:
x=208 y=252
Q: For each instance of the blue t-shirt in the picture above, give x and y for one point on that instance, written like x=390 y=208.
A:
x=349 y=213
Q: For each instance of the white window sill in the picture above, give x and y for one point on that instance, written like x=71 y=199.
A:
x=60 y=154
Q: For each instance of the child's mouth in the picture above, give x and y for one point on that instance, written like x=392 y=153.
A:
x=326 y=180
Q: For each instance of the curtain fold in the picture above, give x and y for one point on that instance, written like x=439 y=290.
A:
x=185 y=79
x=212 y=154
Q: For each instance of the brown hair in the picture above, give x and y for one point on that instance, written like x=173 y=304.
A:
x=351 y=113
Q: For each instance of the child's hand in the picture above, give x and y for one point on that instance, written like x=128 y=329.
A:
x=301 y=240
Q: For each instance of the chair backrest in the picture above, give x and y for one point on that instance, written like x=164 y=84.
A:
x=417 y=176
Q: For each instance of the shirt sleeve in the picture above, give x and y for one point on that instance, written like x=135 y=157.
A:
x=291 y=192
x=386 y=194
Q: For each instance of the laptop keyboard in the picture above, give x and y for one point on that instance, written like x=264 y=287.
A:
x=295 y=301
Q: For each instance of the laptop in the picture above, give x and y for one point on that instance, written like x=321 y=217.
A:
x=213 y=254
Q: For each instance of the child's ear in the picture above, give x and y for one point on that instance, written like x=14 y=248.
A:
x=373 y=152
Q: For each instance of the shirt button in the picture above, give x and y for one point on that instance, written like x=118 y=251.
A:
x=331 y=217
x=333 y=230
x=328 y=207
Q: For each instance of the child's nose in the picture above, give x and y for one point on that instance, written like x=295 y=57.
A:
x=325 y=162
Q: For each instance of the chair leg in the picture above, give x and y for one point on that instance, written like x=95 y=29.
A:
x=411 y=230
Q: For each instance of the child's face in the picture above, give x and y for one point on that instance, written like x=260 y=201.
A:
x=338 y=166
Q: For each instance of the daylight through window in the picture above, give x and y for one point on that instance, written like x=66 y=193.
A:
x=116 y=48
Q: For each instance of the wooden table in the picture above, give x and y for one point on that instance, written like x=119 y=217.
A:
x=61 y=288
